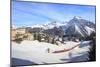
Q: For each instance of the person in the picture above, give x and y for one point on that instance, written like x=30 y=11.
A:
x=70 y=54
x=48 y=50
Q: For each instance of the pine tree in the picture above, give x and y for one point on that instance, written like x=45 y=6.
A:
x=34 y=36
x=92 y=52
x=18 y=39
x=53 y=41
x=39 y=37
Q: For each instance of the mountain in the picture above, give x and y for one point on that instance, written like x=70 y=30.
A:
x=55 y=28
x=77 y=27
x=80 y=27
x=49 y=25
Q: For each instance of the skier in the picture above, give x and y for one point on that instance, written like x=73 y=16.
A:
x=70 y=54
x=48 y=50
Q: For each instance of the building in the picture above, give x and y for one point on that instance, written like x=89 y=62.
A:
x=21 y=30
x=13 y=34
x=17 y=31
x=28 y=36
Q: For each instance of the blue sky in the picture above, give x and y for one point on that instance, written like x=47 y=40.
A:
x=30 y=13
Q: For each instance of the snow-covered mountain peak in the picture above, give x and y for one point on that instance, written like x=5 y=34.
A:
x=79 y=26
x=54 y=24
x=77 y=17
x=76 y=20
x=49 y=25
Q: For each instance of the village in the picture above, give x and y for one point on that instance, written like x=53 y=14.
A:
x=27 y=33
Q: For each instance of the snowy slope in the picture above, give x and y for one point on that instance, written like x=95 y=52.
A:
x=36 y=52
x=89 y=30
x=77 y=29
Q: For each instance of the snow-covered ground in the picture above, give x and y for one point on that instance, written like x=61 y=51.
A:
x=37 y=53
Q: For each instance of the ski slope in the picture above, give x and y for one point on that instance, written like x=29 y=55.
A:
x=37 y=53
